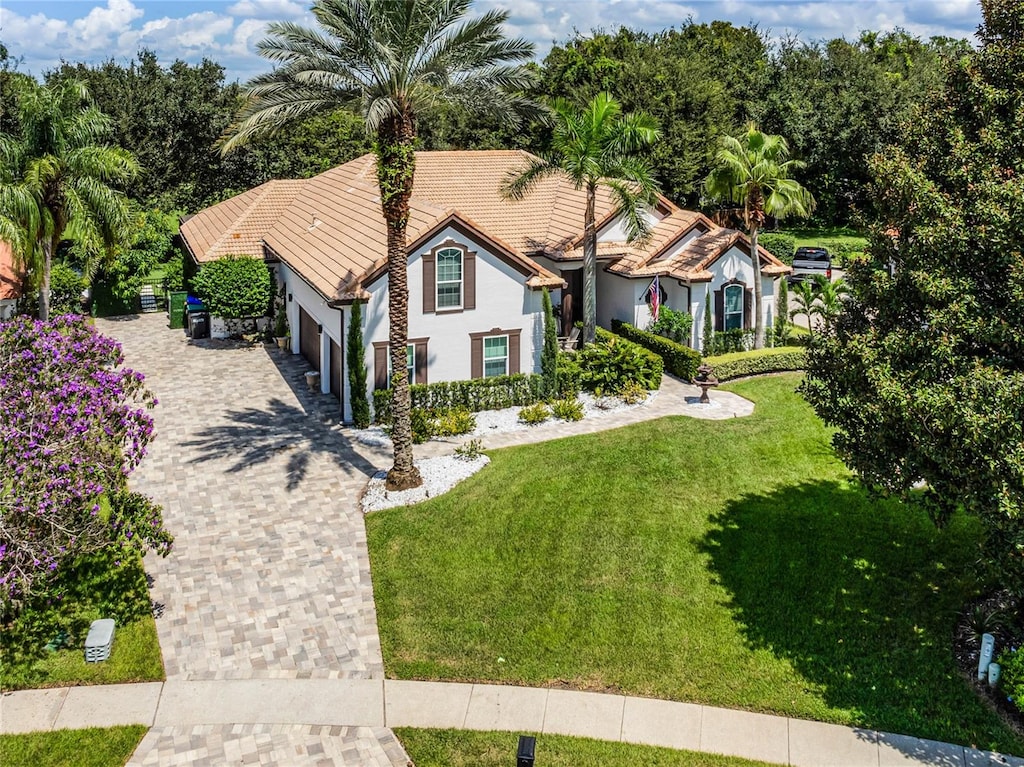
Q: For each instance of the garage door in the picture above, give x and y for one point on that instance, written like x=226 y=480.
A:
x=309 y=339
x=335 y=369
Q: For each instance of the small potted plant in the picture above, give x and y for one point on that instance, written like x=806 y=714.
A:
x=281 y=328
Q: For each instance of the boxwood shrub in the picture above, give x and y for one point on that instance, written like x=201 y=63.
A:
x=739 y=364
x=473 y=395
x=680 y=361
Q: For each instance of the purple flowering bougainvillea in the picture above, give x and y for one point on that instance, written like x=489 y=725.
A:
x=73 y=426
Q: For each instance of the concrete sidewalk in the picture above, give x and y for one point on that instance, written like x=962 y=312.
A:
x=377 y=704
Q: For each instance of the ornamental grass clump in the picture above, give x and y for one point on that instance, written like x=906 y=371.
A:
x=73 y=426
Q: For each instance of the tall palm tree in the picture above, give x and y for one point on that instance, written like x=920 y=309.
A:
x=390 y=60
x=59 y=178
x=595 y=147
x=754 y=171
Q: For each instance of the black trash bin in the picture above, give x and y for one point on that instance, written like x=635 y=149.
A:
x=199 y=324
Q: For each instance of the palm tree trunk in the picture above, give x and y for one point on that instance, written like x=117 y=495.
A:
x=590 y=269
x=755 y=260
x=396 y=163
x=44 y=283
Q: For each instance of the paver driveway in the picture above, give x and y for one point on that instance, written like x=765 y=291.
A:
x=269 y=576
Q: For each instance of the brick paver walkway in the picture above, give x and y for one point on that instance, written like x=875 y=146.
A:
x=269 y=577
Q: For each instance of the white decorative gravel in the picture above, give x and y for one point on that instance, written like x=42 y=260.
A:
x=507 y=420
x=439 y=476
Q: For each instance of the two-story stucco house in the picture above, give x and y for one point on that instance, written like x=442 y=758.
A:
x=477 y=264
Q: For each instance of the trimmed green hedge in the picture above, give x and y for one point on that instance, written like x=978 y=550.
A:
x=739 y=364
x=680 y=361
x=474 y=395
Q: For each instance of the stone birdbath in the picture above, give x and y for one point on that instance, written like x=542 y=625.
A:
x=705 y=379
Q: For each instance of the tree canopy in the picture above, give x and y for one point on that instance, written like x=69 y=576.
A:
x=923 y=374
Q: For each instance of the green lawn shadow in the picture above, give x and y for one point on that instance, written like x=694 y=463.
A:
x=860 y=596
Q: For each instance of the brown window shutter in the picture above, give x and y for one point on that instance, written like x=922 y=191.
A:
x=719 y=310
x=513 y=351
x=476 y=357
x=748 y=308
x=469 y=281
x=420 y=360
x=429 y=283
x=380 y=365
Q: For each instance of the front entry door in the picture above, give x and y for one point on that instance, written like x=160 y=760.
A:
x=574 y=279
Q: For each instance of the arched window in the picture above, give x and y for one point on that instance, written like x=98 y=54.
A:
x=449 y=278
x=733 y=307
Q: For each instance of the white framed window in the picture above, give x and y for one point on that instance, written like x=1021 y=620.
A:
x=733 y=307
x=449 y=278
x=410 y=364
x=495 y=356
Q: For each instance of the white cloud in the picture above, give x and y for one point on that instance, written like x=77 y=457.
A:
x=227 y=33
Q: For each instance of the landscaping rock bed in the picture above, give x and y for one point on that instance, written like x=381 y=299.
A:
x=507 y=420
x=439 y=476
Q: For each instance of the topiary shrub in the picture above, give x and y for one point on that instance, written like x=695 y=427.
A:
x=673 y=325
x=570 y=376
x=782 y=246
x=66 y=288
x=679 y=360
x=777 y=360
x=356 y=365
x=235 y=287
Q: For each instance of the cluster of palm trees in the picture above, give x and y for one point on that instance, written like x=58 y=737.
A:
x=818 y=299
x=58 y=179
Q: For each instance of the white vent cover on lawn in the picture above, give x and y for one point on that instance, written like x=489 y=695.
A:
x=99 y=640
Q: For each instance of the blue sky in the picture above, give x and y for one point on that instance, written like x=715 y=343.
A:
x=40 y=32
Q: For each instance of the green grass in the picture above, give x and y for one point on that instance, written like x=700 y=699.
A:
x=825 y=236
x=135 y=657
x=94 y=747
x=731 y=563
x=459 y=748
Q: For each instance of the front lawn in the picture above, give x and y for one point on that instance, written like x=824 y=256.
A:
x=462 y=748
x=135 y=657
x=93 y=747
x=731 y=563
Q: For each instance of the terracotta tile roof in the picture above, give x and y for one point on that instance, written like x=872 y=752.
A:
x=330 y=228
x=236 y=226
x=10 y=280
x=333 y=231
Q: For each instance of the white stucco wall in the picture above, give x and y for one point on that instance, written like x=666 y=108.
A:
x=735 y=265
x=316 y=306
x=7 y=308
x=502 y=301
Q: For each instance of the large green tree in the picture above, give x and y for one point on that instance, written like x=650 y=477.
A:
x=392 y=61
x=59 y=178
x=840 y=101
x=595 y=147
x=923 y=375
x=755 y=171
x=698 y=82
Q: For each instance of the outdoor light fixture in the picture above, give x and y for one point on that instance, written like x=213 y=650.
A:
x=319 y=328
x=526 y=751
x=289 y=298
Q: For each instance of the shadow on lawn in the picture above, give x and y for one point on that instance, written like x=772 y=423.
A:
x=861 y=597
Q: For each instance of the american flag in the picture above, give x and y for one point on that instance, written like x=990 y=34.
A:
x=655 y=292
